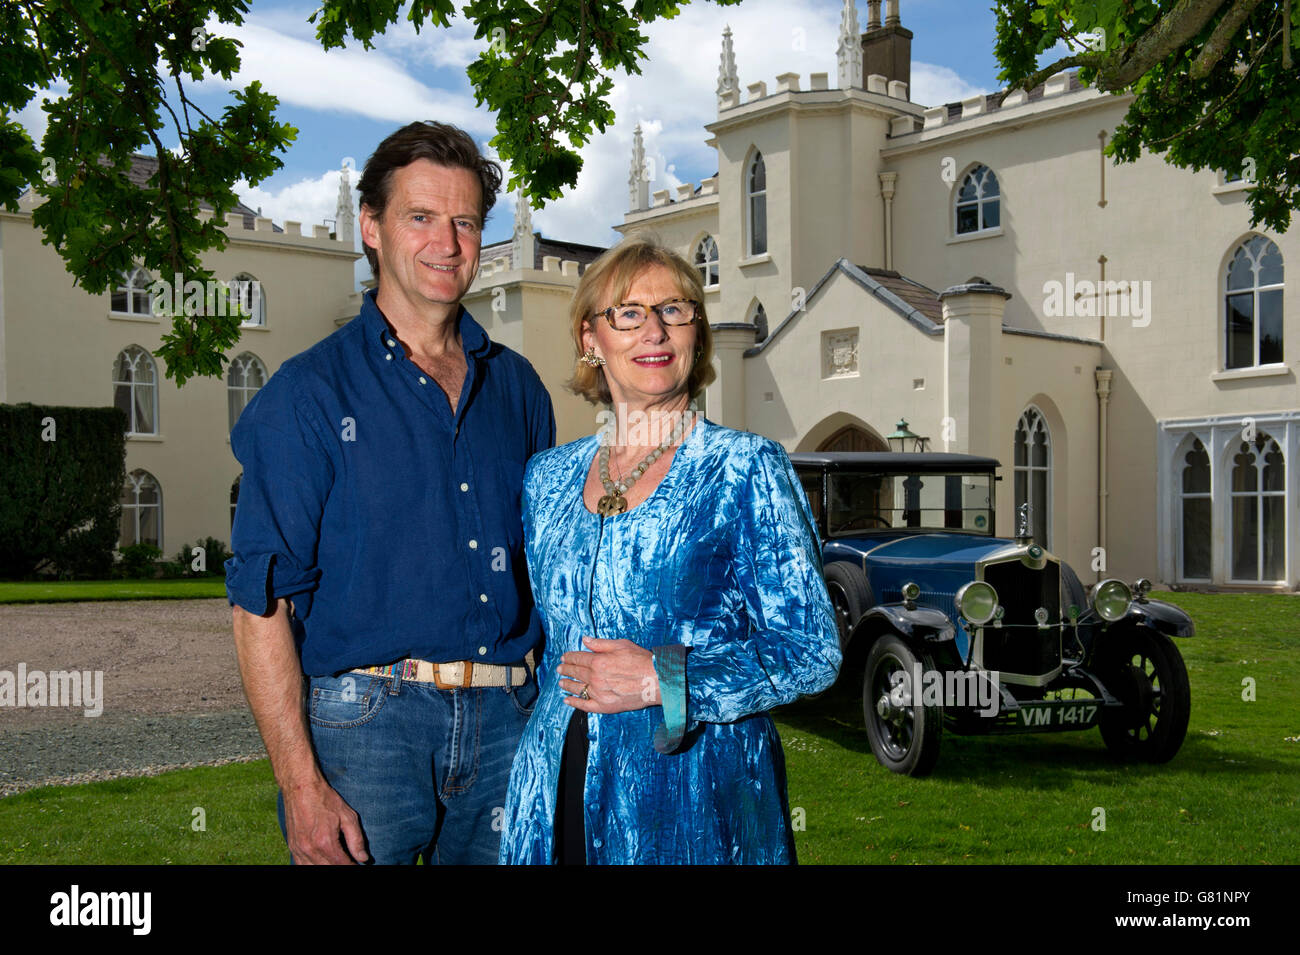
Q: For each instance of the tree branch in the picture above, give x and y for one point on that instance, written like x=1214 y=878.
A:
x=1165 y=36
x=1213 y=108
x=1217 y=45
x=1041 y=76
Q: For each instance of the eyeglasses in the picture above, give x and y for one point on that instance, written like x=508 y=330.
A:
x=630 y=316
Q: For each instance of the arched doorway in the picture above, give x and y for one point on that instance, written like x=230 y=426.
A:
x=852 y=438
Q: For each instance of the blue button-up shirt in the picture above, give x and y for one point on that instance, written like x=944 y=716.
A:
x=392 y=522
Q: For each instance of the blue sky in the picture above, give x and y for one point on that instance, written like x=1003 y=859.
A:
x=343 y=102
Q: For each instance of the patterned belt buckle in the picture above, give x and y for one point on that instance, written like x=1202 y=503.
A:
x=453 y=676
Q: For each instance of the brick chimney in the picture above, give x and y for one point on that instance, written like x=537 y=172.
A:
x=887 y=49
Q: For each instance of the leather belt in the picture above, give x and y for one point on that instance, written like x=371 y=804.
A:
x=458 y=675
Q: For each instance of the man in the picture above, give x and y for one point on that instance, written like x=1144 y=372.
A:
x=377 y=539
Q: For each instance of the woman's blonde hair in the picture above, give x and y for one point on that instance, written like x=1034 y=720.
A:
x=606 y=281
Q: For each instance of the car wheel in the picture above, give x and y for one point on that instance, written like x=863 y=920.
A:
x=1145 y=671
x=904 y=734
x=850 y=596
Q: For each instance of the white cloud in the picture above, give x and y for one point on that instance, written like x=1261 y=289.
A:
x=352 y=80
x=309 y=201
x=935 y=85
x=33 y=118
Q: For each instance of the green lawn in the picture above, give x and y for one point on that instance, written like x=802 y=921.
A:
x=21 y=592
x=1231 y=795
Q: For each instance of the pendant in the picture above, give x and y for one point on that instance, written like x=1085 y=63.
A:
x=611 y=504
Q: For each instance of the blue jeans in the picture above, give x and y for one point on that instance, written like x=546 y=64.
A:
x=425 y=769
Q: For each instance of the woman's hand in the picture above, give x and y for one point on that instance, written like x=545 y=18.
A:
x=617 y=675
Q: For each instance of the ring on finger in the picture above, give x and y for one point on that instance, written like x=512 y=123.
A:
x=584 y=695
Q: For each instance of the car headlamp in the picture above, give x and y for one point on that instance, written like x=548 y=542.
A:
x=1111 y=599
x=977 y=601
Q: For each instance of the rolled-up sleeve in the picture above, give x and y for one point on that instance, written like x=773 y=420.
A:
x=286 y=479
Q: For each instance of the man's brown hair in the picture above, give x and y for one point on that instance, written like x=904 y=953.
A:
x=440 y=143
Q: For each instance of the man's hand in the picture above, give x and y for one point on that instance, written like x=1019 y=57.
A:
x=618 y=676
x=317 y=821
x=319 y=824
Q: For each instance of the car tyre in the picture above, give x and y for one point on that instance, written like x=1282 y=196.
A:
x=1145 y=671
x=850 y=596
x=904 y=738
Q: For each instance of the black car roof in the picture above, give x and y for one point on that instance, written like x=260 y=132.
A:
x=911 y=462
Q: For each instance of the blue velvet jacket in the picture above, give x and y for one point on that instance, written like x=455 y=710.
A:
x=719 y=573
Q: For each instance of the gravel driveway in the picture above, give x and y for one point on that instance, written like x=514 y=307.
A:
x=171 y=694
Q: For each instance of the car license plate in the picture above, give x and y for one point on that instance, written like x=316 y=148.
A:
x=1058 y=715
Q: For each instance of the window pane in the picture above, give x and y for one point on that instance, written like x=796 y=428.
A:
x=122 y=399
x=1274 y=469
x=1039 y=503
x=1241 y=273
x=969 y=191
x=991 y=215
x=758 y=224
x=1022 y=490
x=1274 y=530
x=1270 y=264
x=1241 y=331
x=1245 y=556
x=148 y=491
x=119 y=300
x=1040 y=449
x=1270 y=327
x=1196 y=537
x=144 y=410
x=758 y=174
x=149 y=525
x=127 y=535
x=1196 y=474
x=968 y=219
x=1244 y=475
x=1022 y=445
x=990 y=187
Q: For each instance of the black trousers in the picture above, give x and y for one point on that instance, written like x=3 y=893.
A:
x=570 y=833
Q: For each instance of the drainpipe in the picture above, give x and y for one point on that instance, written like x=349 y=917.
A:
x=887 y=181
x=1104 y=375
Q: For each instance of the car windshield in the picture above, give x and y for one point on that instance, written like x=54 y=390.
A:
x=951 y=502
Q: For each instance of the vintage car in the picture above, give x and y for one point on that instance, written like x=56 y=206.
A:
x=949 y=626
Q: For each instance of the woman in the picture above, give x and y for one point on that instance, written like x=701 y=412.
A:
x=678 y=576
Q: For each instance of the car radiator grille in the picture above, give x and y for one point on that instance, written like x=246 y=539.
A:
x=1020 y=645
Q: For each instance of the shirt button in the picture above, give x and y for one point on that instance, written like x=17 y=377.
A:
x=391 y=343
x=596 y=842
x=473 y=545
x=388 y=358
x=423 y=380
x=483 y=597
x=464 y=487
x=482 y=651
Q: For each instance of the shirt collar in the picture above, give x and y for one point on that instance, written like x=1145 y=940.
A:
x=473 y=338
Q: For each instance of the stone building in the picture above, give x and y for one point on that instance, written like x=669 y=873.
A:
x=1116 y=335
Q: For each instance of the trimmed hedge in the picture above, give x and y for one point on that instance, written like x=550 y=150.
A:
x=61 y=479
